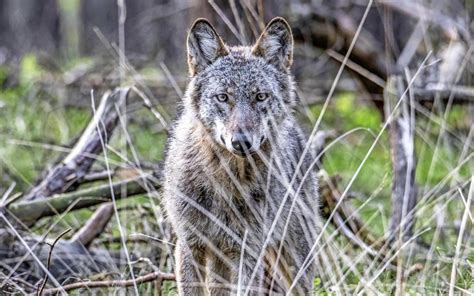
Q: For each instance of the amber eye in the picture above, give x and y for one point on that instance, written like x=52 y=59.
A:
x=262 y=96
x=222 y=97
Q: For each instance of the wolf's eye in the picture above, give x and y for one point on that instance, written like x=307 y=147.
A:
x=222 y=97
x=262 y=96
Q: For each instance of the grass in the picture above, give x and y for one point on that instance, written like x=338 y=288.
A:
x=34 y=124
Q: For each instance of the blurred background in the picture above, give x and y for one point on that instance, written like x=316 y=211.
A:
x=354 y=61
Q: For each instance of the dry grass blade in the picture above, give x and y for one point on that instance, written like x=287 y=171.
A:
x=376 y=78
x=467 y=212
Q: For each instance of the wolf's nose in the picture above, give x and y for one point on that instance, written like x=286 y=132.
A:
x=241 y=143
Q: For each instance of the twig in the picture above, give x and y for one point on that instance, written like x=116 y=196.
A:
x=459 y=94
x=360 y=70
x=49 y=259
x=226 y=20
x=97 y=176
x=157 y=275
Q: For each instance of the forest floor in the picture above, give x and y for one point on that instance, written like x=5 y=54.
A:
x=41 y=116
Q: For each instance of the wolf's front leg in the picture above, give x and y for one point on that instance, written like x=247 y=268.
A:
x=219 y=276
x=190 y=270
x=250 y=277
x=295 y=264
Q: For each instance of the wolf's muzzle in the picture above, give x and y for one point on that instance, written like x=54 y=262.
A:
x=241 y=144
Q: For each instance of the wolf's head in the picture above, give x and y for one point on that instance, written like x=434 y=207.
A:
x=241 y=94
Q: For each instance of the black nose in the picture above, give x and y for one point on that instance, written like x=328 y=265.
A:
x=241 y=143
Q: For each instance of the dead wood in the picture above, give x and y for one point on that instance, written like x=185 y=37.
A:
x=328 y=28
x=154 y=276
x=402 y=142
x=66 y=175
x=68 y=259
x=29 y=212
x=95 y=225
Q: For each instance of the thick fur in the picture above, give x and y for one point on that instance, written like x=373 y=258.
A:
x=243 y=222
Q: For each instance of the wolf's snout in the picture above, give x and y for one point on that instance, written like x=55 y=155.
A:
x=241 y=143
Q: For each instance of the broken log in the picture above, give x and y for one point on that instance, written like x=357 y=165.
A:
x=68 y=173
x=29 y=212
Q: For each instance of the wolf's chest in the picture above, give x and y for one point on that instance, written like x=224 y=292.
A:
x=227 y=217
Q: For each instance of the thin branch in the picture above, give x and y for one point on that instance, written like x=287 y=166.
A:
x=157 y=275
x=49 y=258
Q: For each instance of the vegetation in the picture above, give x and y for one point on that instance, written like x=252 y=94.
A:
x=42 y=115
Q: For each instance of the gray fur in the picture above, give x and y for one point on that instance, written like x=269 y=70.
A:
x=204 y=46
x=222 y=204
x=276 y=44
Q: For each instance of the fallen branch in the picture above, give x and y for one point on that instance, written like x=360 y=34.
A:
x=157 y=275
x=95 y=225
x=31 y=211
x=65 y=175
x=458 y=94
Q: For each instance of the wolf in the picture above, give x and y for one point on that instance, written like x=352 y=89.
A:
x=238 y=187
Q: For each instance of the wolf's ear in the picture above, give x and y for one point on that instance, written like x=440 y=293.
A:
x=276 y=44
x=204 y=46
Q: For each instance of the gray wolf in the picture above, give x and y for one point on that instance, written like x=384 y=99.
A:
x=238 y=189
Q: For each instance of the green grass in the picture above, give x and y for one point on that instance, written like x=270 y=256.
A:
x=33 y=123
